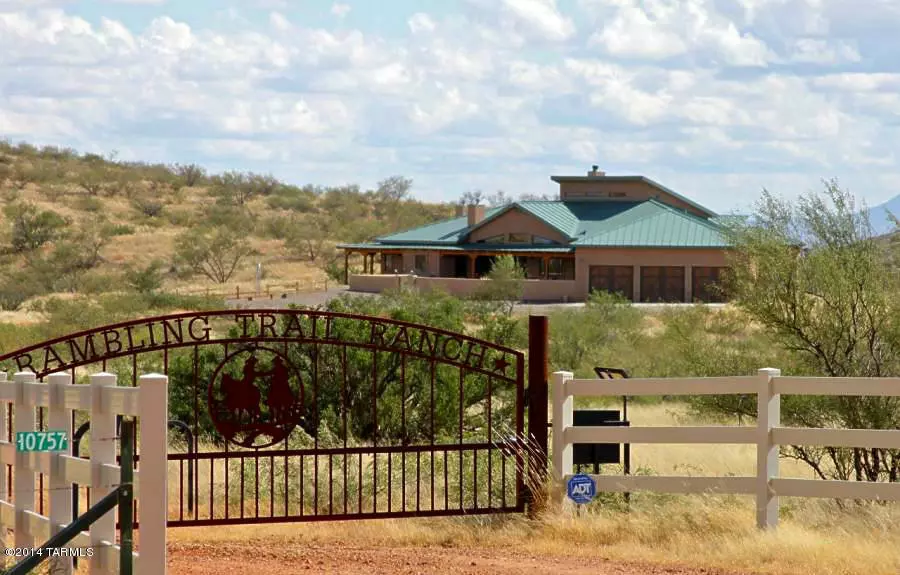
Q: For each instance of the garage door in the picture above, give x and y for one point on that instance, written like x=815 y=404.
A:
x=612 y=279
x=660 y=284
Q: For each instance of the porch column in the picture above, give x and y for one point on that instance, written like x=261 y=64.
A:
x=636 y=284
x=689 y=283
x=471 y=273
x=546 y=267
x=372 y=263
x=346 y=267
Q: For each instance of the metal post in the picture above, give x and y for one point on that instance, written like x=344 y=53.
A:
x=537 y=405
x=126 y=499
x=189 y=439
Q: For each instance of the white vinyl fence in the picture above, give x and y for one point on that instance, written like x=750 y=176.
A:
x=767 y=435
x=104 y=400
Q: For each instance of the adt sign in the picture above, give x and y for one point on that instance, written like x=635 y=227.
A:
x=581 y=488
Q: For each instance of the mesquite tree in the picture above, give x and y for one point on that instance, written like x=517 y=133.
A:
x=813 y=275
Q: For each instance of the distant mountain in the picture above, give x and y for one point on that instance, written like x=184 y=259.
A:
x=878 y=216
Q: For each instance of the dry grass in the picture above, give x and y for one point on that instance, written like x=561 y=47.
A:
x=814 y=537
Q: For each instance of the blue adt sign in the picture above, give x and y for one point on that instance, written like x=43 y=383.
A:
x=581 y=488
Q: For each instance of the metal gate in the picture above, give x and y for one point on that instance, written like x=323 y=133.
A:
x=303 y=415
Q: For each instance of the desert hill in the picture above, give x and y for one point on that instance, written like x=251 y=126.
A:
x=76 y=223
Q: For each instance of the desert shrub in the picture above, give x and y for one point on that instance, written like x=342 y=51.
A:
x=148 y=207
x=229 y=217
x=88 y=204
x=279 y=227
x=595 y=335
x=145 y=280
x=32 y=227
x=294 y=198
x=19 y=286
x=112 y=229
x=178 y=217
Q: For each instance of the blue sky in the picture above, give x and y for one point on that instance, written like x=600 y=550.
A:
x=716 y=99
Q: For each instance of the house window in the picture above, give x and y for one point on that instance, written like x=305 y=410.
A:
x=501 y=239
x=392 y=263
x=612 y=279
x=562 y=269
x=706 y=284
x=519 y=238
x=661 y=284
x=421 y=264
x=541 y=240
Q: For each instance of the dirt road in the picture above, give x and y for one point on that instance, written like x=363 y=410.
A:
x=230 y=558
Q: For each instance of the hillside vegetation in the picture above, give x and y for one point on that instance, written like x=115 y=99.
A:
x=82 y=223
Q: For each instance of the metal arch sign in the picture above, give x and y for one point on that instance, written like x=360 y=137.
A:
x=581 y=488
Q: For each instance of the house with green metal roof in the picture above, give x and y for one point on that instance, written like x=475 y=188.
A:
x=625 y=234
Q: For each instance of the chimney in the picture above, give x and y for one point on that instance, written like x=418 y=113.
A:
x=476 y=214
x=459 y=210
x=595 y=172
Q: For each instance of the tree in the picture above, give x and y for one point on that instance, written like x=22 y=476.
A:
x=233 y=187
x=394 y=189
x=190 y=174
x=472 y=198
x=499 y=199
x=92 y=180
x=496 y=300
x=811 y=273
x=215 y=253
x=310 y=241
x=31 y=227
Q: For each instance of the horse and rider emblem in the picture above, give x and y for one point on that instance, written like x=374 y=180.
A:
x=256 y=398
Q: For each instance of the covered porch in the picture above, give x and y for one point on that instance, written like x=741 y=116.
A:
x=461 y=262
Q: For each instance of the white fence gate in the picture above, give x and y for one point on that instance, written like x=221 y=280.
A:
x=767 y=435
x=104 y=400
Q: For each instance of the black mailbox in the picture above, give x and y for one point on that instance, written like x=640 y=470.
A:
x=597 y=453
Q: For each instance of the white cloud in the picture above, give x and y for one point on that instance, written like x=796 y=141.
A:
x=340 y=10
x=660 y=29
x=498 y=95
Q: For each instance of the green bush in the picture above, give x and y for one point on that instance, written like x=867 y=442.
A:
x=88 y=204
x=32 y=227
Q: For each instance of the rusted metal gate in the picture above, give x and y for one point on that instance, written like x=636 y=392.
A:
x=302 y=415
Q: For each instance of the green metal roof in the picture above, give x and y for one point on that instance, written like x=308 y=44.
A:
x=653 y=224
x=587 y=223
x=447 y=231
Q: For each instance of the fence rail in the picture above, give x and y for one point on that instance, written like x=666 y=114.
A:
x=767 y=434
x=266 y=291
x=104 y=400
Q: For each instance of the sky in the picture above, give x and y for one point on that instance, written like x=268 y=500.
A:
x=716 y=99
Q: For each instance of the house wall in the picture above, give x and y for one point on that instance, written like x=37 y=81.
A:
x=516 y=222
x=688 y=258
x=633 y=191
x=533 y=290
x=557 y=290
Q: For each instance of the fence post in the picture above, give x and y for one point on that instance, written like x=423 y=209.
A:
x=23 y=483
x=4 y=487
x=563 y=415
x=768 y=417
x=103 y=451
x=153 y=472
x=537 y=407
x=60 y=419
